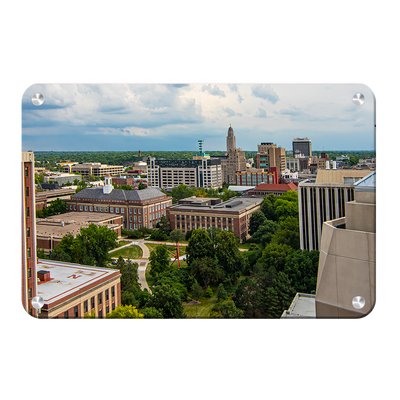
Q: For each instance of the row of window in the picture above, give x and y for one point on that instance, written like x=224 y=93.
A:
x=208 y=219
x=157 y=207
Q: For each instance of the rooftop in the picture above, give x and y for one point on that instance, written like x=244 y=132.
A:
x=71 y=222
x=278 y=186
x=236 y=204
x=69 y=279
x=368 y=183
x=339 y=175
x=303 y=306
x=119 y=194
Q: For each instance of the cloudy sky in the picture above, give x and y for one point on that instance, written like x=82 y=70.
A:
x=173 y=117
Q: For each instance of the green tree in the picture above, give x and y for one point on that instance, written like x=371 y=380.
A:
x=199 y=246
x=126 y=311
x=228 y=254
x=274 y=255
x=302 y=268
x=268 y=207
x=129 y=278
x=141 y=186
x=166 y=299
x=228 y=309
x=222 y=293
x=164 y=226
x=271 y=304
x=177 y=236
x=256 y=220
x=159 y=260
x=248 y=297
x=206 y=271
x=98 y=240
x=208 y=293
x=151 y=312
x=196 y=291
x=265 y=232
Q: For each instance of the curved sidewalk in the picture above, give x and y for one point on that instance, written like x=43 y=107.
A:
x=142 y=262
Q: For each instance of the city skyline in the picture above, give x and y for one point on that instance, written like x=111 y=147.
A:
x=172 y=117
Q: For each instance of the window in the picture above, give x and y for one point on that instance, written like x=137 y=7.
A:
x=85 y=208
x=76 y=312
x=85 y=306
x=28 y=232
x=80 y=208
x=107 y=295
x=26 y=172
x=113 y=306
x=96 y=208
x=29 y=293
x=107 y=310
x=91 y=208
x=130 y=211
x=113 y=291
x=27 y=191
x=99 y=298
x=140 y=219
x=123 y=210
x=101 y=209
x=117 y=210
x=112 y=209
x=27 y=211
x=100 y=313
x=66 y=315
x=29 y=252
x=29 y=273
x=74 y=206
x=134 y=210
x=92 y=303
x=139 y=211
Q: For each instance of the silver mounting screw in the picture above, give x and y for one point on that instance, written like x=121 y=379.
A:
x=37 y=302
x=37 y=99
x=358 y=99
x=358 y=302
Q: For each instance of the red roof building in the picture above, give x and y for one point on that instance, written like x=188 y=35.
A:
x=276 y=189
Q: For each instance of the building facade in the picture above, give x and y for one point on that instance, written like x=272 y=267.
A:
x=28 y=273
x=203 y=172
x=138 y=208
x=79 y=290
x=203 y=213
x=61 y=179
x=95 y=169
x=269 y=155
x=302 y=146
x=347 y=260
x=255 y=177
x=323 y=199
x=235 y=161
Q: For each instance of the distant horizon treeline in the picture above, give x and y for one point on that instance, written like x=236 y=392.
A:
x=124 y=157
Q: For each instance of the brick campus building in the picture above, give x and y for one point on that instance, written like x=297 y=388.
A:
x=203 y=213
x=138 y=208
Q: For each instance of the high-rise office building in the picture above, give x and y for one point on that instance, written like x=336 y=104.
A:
x=346 y=270
x=269 y=155
x=235 y=161
x=302 y=146
x=29 y=285
x=323 y=199
x=230 y=140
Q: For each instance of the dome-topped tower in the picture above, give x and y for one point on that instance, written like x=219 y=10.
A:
x=230 y=140
x=108 y=187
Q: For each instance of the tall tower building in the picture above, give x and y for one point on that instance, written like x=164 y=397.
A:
x=230 y=140
x=29 y=284
x=302 y=146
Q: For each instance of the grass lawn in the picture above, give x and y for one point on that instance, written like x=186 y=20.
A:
x=122 y=243
x=166 y=241
x=132 y=252
x=204 y=308
x=172 y=249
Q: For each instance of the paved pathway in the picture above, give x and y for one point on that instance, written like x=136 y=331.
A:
x=142 y=262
